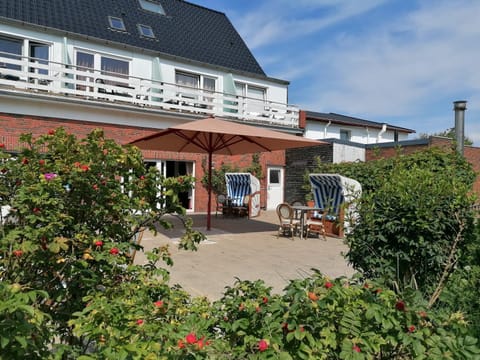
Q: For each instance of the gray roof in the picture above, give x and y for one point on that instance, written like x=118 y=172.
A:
x=187 y=31
x=351 y=121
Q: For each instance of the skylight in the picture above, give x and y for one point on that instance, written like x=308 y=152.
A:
x=152 y=6
x=116 y=23
x=146 y=30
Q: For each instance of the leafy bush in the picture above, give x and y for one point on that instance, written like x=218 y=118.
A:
x=414 y=217
x=315 y=318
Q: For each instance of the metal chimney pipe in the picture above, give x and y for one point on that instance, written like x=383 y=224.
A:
x=459 y=107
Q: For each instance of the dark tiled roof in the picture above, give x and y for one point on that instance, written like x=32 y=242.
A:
x=187 y=31
x=352 y=121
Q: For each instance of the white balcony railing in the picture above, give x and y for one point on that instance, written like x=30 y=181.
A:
x=48 y=78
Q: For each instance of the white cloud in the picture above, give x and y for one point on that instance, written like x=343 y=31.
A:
x=275 y=21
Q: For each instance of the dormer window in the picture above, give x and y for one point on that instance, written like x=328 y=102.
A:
x=116 y=23
x=146 y=30
x=152 y=6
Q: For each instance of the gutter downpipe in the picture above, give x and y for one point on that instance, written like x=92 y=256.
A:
x=380 y=133
x=326 y=128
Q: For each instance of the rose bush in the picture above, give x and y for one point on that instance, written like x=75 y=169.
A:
x=75 y=206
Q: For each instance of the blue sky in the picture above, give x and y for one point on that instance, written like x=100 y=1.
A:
x=403 y=62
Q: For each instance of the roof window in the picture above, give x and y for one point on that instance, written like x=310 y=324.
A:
x=146 y=30
x=152 y=6
x=116 y=23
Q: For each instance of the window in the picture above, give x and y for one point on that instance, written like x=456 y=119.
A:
x=195 y=81
x=152 y=6
x=250 y=91
x=9 y=48
x=395 y=136
x=345 y=135
x=39 y=55
x=254 y=104
x=190 y=80
x=146 y=30
x=109 y=66
x=116 y=23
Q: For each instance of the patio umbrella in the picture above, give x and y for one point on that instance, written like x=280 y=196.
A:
x=216 y=136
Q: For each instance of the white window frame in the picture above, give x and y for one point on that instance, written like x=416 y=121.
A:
x=116 y=18
x=152 y=6
x=142 y=27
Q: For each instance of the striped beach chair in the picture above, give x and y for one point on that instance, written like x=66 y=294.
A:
x=243 y=190
x=335 y=194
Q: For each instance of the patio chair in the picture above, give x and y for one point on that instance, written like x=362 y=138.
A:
x=315 y=225
x=288 y=224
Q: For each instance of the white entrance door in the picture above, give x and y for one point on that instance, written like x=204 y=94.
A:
x=274 y=187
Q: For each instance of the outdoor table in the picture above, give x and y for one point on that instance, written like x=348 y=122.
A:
x=302 y=210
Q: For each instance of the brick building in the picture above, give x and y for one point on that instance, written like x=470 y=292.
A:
x=133 y=67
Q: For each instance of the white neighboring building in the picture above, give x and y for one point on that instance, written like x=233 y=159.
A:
x=349 y=134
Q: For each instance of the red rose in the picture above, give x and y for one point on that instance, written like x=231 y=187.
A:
x=98 y=243
x=114 y=251
x=411 y=328
x=76 y=164
x=142 y=177
x=200 y=343
x=191 y=338
x=158 y=303
x=265 y=300
x=24 y=161
x=181 y=344
x=400 y=305
x=258 y=309
x=328 y=284
x=36 y=210
x=51 y=132
x=95 y=187
x=41 y=162
x=17 y=253
x=262 y=345
x=356 y=348
x=2 y=145
x=85 y=167
x=139 y=322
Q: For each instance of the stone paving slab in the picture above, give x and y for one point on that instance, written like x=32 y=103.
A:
x=248 y=249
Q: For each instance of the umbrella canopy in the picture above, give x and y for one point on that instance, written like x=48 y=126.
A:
x=216 y=136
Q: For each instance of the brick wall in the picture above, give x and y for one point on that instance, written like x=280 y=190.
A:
x=13 y=125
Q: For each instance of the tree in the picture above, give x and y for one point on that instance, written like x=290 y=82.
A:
x=449 y=133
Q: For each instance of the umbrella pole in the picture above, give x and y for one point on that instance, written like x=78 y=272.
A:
x=209 y=190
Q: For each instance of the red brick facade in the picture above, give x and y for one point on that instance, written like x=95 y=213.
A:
x=12 y=126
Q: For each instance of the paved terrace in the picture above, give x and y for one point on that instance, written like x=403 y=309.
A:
x=248 y=249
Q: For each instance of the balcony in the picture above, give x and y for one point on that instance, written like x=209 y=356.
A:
x=39 y=77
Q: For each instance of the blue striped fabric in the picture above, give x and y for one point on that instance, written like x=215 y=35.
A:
x=238 y=185
x=327 y=192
